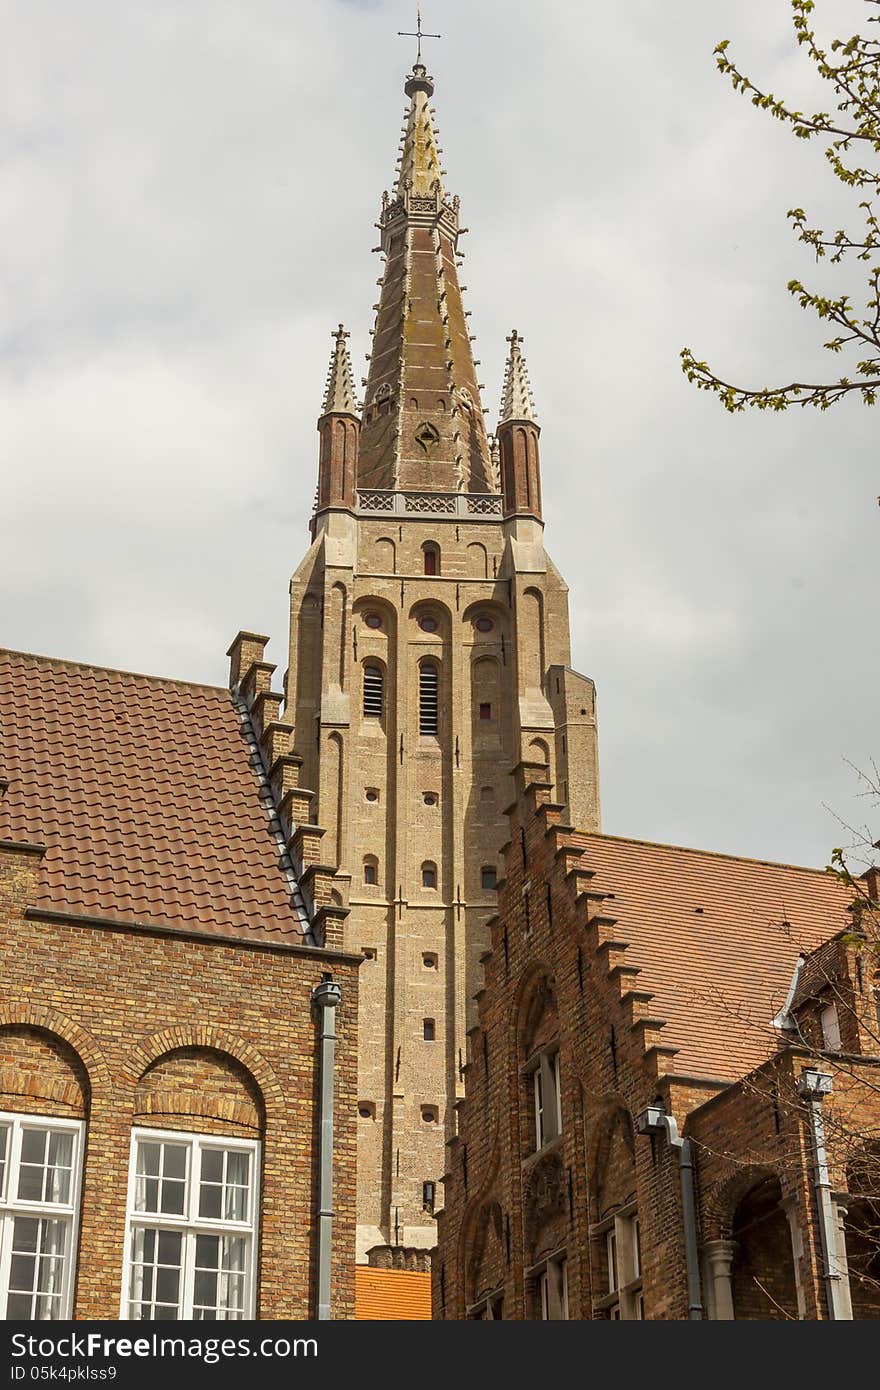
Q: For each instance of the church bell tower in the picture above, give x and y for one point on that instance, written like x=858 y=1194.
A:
x=429 y=653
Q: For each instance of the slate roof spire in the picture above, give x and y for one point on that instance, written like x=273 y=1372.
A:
x=423 y=426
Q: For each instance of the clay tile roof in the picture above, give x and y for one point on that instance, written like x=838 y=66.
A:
x=143 y=791
x=707 y=932
x=391 y=1294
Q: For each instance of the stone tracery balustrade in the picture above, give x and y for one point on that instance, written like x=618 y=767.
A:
x=459 y=504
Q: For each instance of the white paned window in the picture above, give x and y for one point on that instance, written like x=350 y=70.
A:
x=624 y=1266
x=192 y=1227
x=830 y=1028
x=546 y=1092
x=40 y=1167
x=553 y=1290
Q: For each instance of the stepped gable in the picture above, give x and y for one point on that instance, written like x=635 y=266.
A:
x=708 y=935
x=145 y=794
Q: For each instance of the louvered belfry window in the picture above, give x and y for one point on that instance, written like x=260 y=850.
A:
x=373 y=692
x=428 y=712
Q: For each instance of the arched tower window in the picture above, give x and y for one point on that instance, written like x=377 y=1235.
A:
x=371 y=870
x=429 y=874
x=374 y=691
x=429 y=715
x=431 y=553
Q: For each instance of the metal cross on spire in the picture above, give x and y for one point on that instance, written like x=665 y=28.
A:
x=419 y=34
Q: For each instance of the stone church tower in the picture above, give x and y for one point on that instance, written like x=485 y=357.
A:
x=429 y=653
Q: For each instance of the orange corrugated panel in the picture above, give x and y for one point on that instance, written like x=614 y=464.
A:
x=391 y=1295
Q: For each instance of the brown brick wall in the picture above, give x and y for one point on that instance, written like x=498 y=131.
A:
x=223 y=1035
x=552 y=942
x=41 y=1070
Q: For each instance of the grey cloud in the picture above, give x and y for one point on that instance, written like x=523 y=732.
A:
x=187 y=195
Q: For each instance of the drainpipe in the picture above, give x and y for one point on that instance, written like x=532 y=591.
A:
x=327 y=996
x=813 y=1086
x=654 y=1120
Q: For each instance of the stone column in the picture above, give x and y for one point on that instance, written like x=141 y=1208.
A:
x=719 y=1256
x=837 y=1256
x=790 y=1206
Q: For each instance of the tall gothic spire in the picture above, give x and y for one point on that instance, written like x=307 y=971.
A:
x=423 y=424
x=419 y=169
x=517 y=402
x=339 y=397
x=517 y=435
x=339 y=429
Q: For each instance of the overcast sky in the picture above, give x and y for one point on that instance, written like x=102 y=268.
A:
x=187 y=197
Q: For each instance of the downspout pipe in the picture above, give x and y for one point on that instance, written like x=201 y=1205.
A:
x=813 y=1086
x=326 y=997
x=654 y=1120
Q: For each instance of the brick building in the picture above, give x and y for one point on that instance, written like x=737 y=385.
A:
x=635 y=995
x=166 y=922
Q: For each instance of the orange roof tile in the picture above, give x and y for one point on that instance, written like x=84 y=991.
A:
x=143 y=792
x=391 y=1294
x=706 y=931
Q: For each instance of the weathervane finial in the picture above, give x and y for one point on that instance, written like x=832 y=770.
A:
x=418 y=34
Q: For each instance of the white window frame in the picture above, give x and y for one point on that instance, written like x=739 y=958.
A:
x=488 y=1309
x=547 y=1097
x=553 y=1289
x=12 y=1206
x=830 y=1023
x=623 y=1301
x=190 y=1224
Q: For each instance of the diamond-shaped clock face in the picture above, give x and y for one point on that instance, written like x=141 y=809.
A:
x=427 y=436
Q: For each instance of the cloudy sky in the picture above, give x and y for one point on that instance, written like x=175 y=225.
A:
x=187 y=193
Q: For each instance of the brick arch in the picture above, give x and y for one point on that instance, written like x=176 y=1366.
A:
x=610 y=1126
x=366 y=603
x=28 y=1015
x=722 y=1200
x=491 y=607
x=485 y=1223
x=537 y=987
x=433 y=605
x=205 y=1035
x=197 y=1088
x=476 y=1210
x=600 y=1121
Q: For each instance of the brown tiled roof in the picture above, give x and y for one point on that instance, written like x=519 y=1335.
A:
x=720 y=974
x=391 y=1294
x=143 y=792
